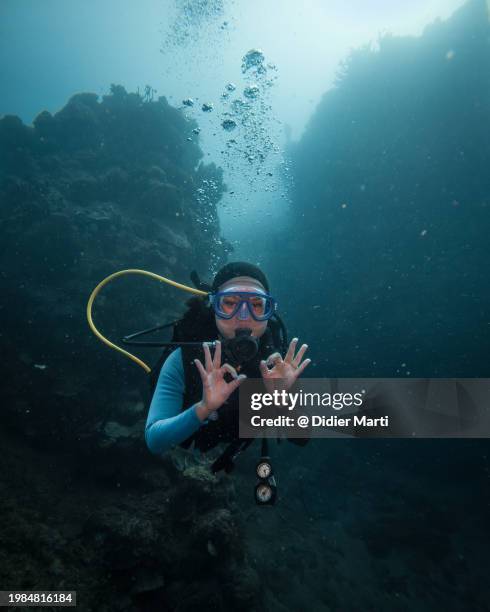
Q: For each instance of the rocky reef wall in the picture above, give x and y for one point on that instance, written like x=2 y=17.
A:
x=391 y=208
x=100 y=186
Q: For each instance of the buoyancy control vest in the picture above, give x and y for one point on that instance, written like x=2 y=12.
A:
x=198 y=325
x=225 y=427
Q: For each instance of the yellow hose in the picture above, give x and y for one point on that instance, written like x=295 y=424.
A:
x=115 y=275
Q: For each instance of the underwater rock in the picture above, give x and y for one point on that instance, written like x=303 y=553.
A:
x=94 y=188
x=220 y=528
x=200 y=474
x=84 y=190
x=368 y=128
x=115 y=432
x=245 y=587
x=198 y=483
x=122 y=535
x=161 y=199
x=175 y=239
x=78 y=123
x=157 y=478
x=144 y=580
x=212 y=549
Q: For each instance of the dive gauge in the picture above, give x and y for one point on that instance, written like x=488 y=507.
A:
x=263 y=493
x=264 y=468
x=265 y=489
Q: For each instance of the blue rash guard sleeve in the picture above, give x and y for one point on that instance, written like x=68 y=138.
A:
x=167 y=424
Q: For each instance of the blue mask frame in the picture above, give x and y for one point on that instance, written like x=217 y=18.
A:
x=269 y=311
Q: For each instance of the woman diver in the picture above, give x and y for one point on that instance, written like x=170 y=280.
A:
x=196 y=395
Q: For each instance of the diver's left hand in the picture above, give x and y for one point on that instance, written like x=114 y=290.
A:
x=287 y=371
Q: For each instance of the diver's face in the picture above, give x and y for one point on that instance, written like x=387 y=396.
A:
x=243 y=318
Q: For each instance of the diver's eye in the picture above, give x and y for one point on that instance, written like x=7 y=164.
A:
x=258 y=305
x=228 y=303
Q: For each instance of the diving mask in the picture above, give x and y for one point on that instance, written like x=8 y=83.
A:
x=258 y=305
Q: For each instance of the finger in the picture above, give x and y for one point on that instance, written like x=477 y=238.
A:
x=291 y=349
x=202 y=372
x=302 y=367
x=272 y=359
x=207 y=355
x=217 y=355
x=236 y=383
x=264 y=369
x=297 y=360
x=226 y=367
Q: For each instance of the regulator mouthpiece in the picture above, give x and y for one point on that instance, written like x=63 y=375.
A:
x=243 y=347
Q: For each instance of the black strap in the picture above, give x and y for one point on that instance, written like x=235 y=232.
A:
x=283 y=339
x=226 y=459
x=129 y=339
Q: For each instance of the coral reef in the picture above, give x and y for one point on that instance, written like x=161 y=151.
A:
x=391 y=201
x=104 y=185
x=100 y=186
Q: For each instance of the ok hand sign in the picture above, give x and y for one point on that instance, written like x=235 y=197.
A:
x=287 y=370
x=215 y=389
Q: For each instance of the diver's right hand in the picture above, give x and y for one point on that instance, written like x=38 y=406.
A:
x=215 y=390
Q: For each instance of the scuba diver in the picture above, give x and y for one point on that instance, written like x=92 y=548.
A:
x=195 y=397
